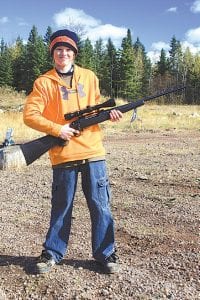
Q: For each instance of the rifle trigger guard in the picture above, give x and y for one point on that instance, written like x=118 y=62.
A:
x=134 y=115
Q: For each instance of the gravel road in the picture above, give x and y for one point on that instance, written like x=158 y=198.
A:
x=155 y=180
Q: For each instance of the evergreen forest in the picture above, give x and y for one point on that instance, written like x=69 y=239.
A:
x=125 y=73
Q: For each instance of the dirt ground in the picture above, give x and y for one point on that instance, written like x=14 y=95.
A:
x=155 y=181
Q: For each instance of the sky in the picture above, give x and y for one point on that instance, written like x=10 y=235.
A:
x=154 y=22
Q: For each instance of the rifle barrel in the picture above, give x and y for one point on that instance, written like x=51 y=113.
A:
x=104 y=115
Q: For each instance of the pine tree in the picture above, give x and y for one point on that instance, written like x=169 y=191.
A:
x=176 y=60
x=162 y=64
x=48 y=61
x=143 y=67
x=6 y=71
x=161 y=77
x=18 y=64
x=108 y=68
x=35 y=58
x=47 y=36
x=86 y=55
x=194 y=81
x=2 y=46
x=128 y=87
x=99 y=53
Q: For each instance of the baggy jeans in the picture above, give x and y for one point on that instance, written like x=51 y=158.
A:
x=95 y=186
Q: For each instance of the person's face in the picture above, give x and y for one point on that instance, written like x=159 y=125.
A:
x=63 y=56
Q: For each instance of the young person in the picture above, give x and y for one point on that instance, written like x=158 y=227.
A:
x=68 y=88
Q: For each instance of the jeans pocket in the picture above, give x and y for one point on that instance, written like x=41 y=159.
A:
x=104 y=191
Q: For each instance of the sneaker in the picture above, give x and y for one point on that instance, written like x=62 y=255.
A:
x=45 y=263
x=111 y=264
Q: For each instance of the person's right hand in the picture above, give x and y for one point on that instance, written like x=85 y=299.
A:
x=66 y=132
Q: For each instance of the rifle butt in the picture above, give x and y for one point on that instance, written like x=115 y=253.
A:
x=34 y=149
x=18 y=156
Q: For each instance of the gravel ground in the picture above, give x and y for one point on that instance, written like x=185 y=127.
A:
x=155 y=180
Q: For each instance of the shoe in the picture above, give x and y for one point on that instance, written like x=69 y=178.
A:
x=111 y=264
x=45 y=263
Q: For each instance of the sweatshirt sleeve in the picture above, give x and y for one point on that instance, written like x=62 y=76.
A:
x=35 y=105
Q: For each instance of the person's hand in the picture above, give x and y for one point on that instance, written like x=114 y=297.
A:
x=115 y=115
x=66 y=132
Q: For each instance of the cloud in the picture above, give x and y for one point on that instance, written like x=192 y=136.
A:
x=193 y=35
x=158 y=46
x=107 y=31
x=93 y=28
x=172 y=9
x=154 y=53
x=76 y=16
x=193 y=49
x=21 y=22
x=154 y=56
x=4 y=20
x=195 y=8
x=192 y=42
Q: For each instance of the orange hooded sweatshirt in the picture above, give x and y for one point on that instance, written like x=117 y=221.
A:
x=51 y=98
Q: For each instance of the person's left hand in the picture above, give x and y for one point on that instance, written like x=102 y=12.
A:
x=115 y=115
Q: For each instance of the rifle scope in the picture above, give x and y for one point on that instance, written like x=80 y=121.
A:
x=89 y=109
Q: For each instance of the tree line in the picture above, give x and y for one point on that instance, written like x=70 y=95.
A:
x=124 y=72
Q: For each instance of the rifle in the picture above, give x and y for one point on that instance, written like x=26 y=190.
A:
x=91 y=115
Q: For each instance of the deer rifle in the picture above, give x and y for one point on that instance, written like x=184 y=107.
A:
x=89 y=116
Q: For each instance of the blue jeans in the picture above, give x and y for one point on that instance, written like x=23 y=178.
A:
x=96 y=189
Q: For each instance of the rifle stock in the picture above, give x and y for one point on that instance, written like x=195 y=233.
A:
x=32 y=150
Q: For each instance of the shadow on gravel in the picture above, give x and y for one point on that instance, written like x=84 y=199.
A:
x=28 y=263
x=90 y=265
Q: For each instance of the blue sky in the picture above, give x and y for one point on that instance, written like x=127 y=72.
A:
x=153 y=21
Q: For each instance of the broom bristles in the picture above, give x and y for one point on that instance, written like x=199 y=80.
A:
x=12 y=157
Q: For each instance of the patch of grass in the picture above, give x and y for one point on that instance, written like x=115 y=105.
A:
x=10 y=99
x=20 y=131
x=149 y=117
x=158 y=117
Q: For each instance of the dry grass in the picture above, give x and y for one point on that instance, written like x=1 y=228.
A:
x=149 y=117
x=159 y=117
x=10 y=99
x=20 y=131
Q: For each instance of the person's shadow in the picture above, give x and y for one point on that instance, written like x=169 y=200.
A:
x=27 y=263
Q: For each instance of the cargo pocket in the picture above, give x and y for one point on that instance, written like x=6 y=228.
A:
x=104 y=191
